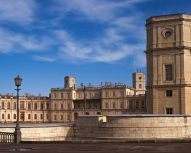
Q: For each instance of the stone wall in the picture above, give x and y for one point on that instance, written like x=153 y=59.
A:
x=40 y=132
x=122 y=127
x=134 y=127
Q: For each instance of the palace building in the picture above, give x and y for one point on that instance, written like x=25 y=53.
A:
x=168 y=87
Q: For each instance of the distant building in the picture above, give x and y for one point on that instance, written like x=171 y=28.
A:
x=70 y=102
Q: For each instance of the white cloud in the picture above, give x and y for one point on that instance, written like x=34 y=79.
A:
x=108 y=49
x=44 y=58
x=113 y=45
x=20 y=11
x=103 y=10
x=16 y=42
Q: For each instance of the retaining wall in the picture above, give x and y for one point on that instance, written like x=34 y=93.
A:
x=104 y=128
x=134 y=127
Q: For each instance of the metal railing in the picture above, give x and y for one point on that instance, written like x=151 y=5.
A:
x=7 y=137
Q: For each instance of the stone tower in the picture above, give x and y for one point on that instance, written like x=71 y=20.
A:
x=169 y=64
x=139 y=82
x=69 y=82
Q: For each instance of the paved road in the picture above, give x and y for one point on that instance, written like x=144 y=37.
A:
x=98 y=148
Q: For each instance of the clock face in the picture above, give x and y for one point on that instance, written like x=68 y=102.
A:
x=167 y=32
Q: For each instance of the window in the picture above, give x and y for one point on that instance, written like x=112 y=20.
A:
x=22 y=105
x=55 y=95
x=62 y=107
x=140 y=78
x=3 y=116
x=47 y=105
x=106 y=105
x=169 y=111
x=68 y=105
x=8 y=116
x=35 y=106
x=121 y=105
x=106 y=94
x=29 y=116
x=35 y=116
x=14 y=106
x=68 y=117
x=54 y=117
x=121 y=93
x=78 y=106
x=29 y=106
x=3 y=105
x=54 y=106
x=113 y=93
x=62 y=95
x=14 y=116
x=61 y=117
x=140 y=86
x=168 y=72
x=114 y=105
x=41 y=106
x=68 y=95
x=8 y=105
x=169 y=93
x=41 y=116
x=131 y=105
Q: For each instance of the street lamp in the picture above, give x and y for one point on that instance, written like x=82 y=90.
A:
x=17 y=132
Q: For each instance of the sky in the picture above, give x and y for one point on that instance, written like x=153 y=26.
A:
x=95 y=40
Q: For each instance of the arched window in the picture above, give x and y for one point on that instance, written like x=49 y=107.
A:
x=8 y=116
x=3 y=116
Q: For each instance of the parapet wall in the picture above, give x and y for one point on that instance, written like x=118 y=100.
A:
x=134 y=127
x=41 y=132
x=122 y=127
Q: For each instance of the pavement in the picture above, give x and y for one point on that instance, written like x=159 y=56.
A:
x=97 y=148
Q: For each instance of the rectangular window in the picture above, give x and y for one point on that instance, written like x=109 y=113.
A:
x=29 y=116
x=131 y=105
x=169 y=93
x=3 y=105
x=121 y=105
x=169 y=111
x=22 y=105
x=140 y=86
x=106 y=105
x=62 y=95
x=168 y=72
x=41 y=106
x=114 y=105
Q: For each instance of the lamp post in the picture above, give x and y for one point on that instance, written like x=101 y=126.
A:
x=17 y=132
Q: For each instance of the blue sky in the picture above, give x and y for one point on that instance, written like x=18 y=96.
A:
x=94 y=40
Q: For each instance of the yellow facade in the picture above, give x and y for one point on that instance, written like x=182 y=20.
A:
x=169 y=64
